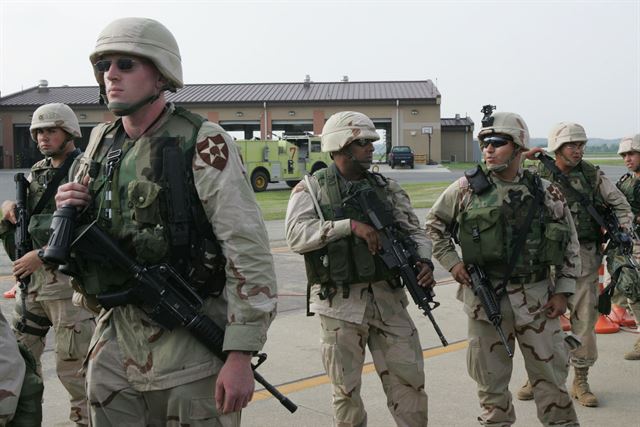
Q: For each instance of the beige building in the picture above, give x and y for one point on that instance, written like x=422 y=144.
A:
x=405 y=112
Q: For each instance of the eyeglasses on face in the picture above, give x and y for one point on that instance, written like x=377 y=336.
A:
x=123 y=64
x=573 y=146
x=362 y=142
x=495 y=140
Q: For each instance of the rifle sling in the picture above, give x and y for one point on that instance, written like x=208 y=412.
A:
x=52 y=187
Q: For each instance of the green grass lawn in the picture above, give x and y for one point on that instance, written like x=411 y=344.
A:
x=274 y=203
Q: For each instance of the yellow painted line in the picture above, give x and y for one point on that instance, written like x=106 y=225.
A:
x=281 y=250
x=11 y=276
x=368 y=368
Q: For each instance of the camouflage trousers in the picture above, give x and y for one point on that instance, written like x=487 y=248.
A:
x=73 y=327
x=583 y=306
x=115 y=402
x=395 y=347
x=545 y=353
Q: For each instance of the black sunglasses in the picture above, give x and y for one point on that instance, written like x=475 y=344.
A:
x=123 y=64
x=363 y=142
x=495 y=140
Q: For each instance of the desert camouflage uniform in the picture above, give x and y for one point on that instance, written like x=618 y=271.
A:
x=583 y=303
x=139 y=373
x=372 y=314
x=11 y=372
x=629 y=185
x=49 y=298
x=540 y=339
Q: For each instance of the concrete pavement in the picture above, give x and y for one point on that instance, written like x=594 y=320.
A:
x=294 y=364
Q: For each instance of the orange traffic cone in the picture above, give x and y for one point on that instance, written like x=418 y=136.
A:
x=621 y=316
x=11 y=293
x=605 y=325
x=565 y=323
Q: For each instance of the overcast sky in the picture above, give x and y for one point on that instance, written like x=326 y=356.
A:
x=549 y=61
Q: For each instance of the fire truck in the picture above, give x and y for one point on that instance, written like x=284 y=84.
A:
x=288 y=159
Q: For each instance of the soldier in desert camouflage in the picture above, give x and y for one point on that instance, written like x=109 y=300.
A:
x=567 y=141
x=49 y=299
x=491 y=208
x=360 y=302
x=139 y=373
x=629 y=185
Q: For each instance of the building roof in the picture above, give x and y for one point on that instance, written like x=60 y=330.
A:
x=456 y=121
x=420 y=91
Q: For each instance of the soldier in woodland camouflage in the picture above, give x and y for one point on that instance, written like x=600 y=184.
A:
x=49 y=299
x=629 y=185
x=360 y=302
x=567 y=141
x=139 y=373
x=487 y=216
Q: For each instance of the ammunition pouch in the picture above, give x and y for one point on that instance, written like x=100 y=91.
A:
x=482 y=236
x=556 y=239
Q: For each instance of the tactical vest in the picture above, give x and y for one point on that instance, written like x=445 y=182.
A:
x=41 y=175
x=346 y=261
x=629 y=185
x=141 y=214
x=585 y=178
x=488 y=232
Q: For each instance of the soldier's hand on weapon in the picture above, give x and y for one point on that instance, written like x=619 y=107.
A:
x=73 y=194
x=368 y=234
x=26 y=265
x=556 y=306
x=460 y=274
x=531 y=154
x=425 y=276
x=235 y=383
x=9 y=211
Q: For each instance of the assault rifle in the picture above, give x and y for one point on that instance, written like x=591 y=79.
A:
x=399 y=254
x=167 y=299
x=485 y=292
x=22 y=238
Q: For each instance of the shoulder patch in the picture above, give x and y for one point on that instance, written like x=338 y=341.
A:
x=213 y=151
x=555 y=192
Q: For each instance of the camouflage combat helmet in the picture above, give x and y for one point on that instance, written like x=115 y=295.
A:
x=343 y=128
x=508 y=124
x=564 y=132
x=145 y=38
x=55 y=116
x=629 y=144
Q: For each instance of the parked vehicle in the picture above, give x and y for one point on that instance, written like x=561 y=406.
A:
x=288 y=159
x=401 y=155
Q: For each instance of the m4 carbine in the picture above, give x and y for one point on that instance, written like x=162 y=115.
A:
x=485 y=292
x=23 y=241
x=399 y=254
x=167 y=299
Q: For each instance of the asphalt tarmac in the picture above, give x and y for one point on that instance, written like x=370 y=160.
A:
x=294 y=363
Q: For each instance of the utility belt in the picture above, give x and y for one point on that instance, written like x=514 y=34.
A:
x=521 y=280
x=329 y=290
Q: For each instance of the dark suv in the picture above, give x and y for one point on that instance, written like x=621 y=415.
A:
x=401 y=155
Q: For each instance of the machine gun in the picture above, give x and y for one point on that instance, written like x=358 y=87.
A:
x=485 y=292
x=167 y=299
x=399 y=254
x=487 y=110
x=22 y=238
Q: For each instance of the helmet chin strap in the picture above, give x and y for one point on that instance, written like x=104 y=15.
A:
x=60 y=150
x=567 y=160
x=363 y=166
x=125 y=109
x=503 y=166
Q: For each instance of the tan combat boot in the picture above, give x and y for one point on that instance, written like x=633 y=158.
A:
x=525 y=392
x=580 y=389
x=635 y=353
